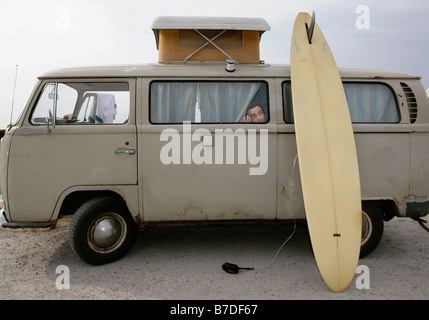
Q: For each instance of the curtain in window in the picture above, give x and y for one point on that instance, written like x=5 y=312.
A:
x=369 y=102
x=173 y=102
x=225 y=101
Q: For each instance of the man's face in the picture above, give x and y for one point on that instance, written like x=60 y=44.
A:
x=256 y=114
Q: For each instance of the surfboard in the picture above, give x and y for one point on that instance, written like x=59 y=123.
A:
x=327 y=155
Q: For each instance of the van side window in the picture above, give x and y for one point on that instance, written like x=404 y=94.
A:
x=369 y=102
x=206 y=102
x=83 y=103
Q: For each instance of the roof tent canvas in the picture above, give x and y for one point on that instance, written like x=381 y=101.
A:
x=186 y=39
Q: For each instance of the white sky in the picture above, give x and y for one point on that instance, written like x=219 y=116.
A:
x=47 y=34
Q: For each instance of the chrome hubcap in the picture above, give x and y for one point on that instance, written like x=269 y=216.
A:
x=107 y=233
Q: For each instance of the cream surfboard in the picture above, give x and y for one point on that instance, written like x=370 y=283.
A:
x=326 y=154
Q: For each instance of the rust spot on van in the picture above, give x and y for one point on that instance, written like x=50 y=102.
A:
x=193 y=213
x=138 y=219
x=53 y=224
x=412 y=197
x=407 y=198
x=238 y=212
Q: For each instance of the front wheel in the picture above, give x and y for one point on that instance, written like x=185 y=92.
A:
x=102 y=230
x=372 y=228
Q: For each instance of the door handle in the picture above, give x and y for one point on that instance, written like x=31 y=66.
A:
x=125 y=151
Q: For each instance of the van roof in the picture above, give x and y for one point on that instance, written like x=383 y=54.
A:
x=210 y=23
x=209 y=70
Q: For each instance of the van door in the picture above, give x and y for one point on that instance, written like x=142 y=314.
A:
x=89 y=140
x=200 y=161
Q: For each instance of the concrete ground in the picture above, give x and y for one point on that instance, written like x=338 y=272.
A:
x=184 y=263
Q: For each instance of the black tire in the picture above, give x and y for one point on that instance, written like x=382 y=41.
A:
x=372 y=228
x=102 y=230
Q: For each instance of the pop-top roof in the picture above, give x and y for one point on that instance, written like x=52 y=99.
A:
x=210 y=23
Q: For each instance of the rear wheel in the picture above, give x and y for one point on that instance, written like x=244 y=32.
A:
x=102 y=230
x=372 y=228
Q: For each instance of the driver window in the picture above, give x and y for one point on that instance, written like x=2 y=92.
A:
x=83 y=103
x=44 y=105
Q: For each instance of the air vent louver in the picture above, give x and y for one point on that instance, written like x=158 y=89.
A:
x=411 y=102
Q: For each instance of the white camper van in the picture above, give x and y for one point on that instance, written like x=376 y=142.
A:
x=204 y=135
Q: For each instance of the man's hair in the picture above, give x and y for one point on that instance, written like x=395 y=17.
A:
x=253 y=105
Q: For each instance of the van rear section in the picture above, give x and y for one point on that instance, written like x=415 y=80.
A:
x=122 y=147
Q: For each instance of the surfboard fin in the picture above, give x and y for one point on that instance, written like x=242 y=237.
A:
x=310 y=29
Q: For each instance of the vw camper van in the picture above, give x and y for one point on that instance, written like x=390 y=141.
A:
x=206 y=134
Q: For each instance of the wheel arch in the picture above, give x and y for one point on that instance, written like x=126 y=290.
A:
x=72 y=198
x=388 y=207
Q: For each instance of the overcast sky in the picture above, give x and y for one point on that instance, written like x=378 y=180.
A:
x=47 y=34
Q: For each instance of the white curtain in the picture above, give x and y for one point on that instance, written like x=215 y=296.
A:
x=368 y=103
x=371 y=102
x=175 y=102
x=225 y=101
